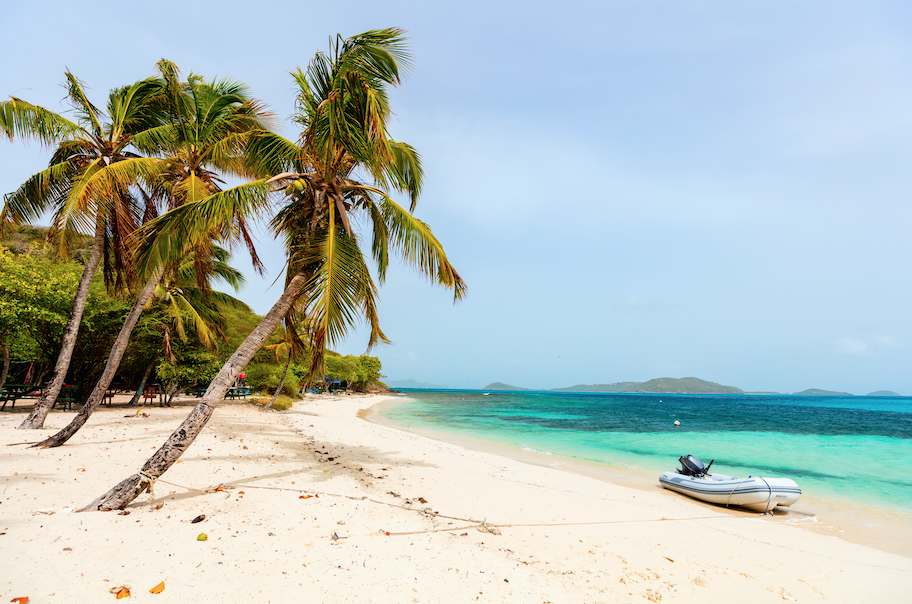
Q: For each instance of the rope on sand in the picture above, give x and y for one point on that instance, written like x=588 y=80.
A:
x=479 y=525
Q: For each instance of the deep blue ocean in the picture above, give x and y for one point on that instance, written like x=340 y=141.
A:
x=838 y=448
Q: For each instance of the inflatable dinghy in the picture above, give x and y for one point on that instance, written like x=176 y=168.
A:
x=754 y=492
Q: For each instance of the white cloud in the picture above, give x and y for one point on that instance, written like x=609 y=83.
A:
x=872 y=345
x=851 y=346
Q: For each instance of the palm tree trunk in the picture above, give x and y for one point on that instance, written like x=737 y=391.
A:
x=131 y=487
x=281 y=383
x=35 y=420
x=117 y=352
x=173 y=387
x=6 y=363
x=142 y=384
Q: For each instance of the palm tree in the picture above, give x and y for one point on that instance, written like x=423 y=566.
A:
x=87 y=187
x=208 y=125
x=187 y=306
x=343 y=111
x=293 y=348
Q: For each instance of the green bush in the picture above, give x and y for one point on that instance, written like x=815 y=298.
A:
x=282 y=403
x=265 y=378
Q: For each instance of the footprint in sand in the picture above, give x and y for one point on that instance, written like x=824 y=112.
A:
x=700 y=580
x=782 y=593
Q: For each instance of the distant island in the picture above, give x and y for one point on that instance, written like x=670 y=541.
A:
x=502 y=386
x=884 y=393
x=688 y=385
x=819 y=392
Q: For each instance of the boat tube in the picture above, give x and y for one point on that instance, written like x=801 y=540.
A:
x=754 y=492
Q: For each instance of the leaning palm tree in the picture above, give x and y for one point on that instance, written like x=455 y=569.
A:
x=87 y=188
x=343 y=111
x=208 y=125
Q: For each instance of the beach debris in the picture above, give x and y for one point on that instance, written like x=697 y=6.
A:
x=68 y=549
x=159 y=506
x=21 y=600
x=199 y=518
x=667 y=558
x=45 y=511
x=677 y=423
x=336 y=537
x=202 y=537
x=422 y=500
x=240 y=492
x=393 y=494
x=305 y=496
x=122 y=591
x=124 y=513
x=158 y=588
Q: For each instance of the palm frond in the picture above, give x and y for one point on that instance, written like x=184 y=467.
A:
x=418 y=246
x=24 y=120
x=176 y=231
x=267 y=153
x=38 y=194
x=81 y=104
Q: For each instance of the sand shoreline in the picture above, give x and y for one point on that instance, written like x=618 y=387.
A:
x=563 y=537
x=846 y=520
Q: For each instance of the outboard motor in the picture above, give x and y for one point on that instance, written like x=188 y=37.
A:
x=692 y=466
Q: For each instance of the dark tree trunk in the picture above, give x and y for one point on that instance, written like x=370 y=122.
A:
x=117 y=352
x=6 y=362
x=35 y=420
x=131 y=487
x=142 y=384
x=281 y=383
x=173 y=388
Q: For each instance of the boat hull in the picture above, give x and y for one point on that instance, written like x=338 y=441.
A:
x=754 y=492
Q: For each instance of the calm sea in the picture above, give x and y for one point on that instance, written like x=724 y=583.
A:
x=851 y=456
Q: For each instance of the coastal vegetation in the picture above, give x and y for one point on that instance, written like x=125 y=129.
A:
x=177 y=343
x=156 y=145
x=85 y=188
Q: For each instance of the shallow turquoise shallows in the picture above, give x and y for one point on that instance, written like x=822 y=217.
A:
x=855 y=449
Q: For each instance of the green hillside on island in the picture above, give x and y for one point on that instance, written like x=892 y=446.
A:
x=819 y=392
x=884 y=393
x=688 y=385
x=502 y=386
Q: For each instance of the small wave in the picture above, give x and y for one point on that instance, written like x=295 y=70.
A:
x=537 y=451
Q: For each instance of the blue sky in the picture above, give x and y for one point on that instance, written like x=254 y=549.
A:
x=631 y=189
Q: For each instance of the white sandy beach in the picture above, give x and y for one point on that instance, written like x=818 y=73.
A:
x=562 y=537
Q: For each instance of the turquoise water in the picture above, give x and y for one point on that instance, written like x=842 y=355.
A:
x=849 y=449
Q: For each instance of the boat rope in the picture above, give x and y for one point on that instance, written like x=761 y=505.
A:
x=733 y=491
x=770 y=500
x=144 y=477
x=480 y=525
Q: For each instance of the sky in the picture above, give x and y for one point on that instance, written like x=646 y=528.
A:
x=631 y=190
